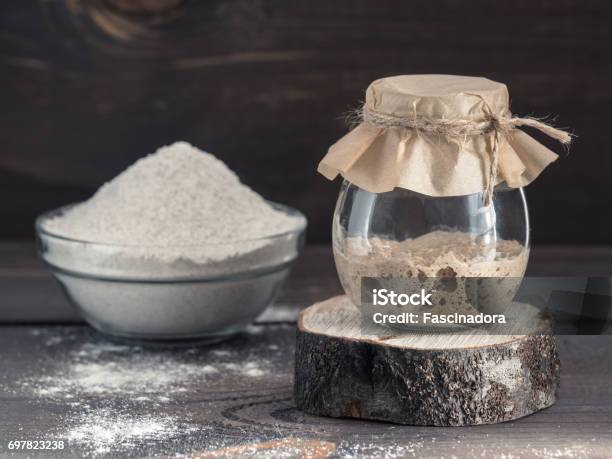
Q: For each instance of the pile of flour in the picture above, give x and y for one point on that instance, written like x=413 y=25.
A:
x=179 y=204
x=178 y=195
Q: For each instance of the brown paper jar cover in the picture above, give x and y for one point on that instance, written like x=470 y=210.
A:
x=378 y=158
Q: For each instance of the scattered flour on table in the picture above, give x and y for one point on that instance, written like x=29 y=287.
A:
x=171 y=201
x=130 y=414
x=355 y=450
x=110 y=369
x=579 y=451
x=104 y=430
x=117 y=395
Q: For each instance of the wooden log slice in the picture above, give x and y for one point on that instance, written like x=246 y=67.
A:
x=449 y=379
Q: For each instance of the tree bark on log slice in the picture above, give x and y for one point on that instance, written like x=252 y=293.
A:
x=438 y=379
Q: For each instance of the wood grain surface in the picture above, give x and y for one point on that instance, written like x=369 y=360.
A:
x=227 y=411
x=346 y=366
x=89 y=86
x=229 y=414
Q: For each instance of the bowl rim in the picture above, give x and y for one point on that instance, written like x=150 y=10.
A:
x=288 y=210
x=252 y=274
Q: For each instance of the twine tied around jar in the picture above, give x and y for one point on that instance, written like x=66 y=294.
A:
x=496 y=125
x=439 y=135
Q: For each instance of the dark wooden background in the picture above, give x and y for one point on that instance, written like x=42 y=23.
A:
x=88 y=86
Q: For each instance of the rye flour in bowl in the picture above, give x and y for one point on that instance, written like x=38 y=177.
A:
x=173 y=247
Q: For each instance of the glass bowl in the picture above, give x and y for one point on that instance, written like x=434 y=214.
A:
x=203 y=292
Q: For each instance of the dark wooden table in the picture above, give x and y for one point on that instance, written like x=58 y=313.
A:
x=60 y=380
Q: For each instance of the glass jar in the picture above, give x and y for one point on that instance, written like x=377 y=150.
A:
x=404 y=234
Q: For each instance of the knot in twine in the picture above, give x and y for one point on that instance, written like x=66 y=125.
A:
x=498 y=126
